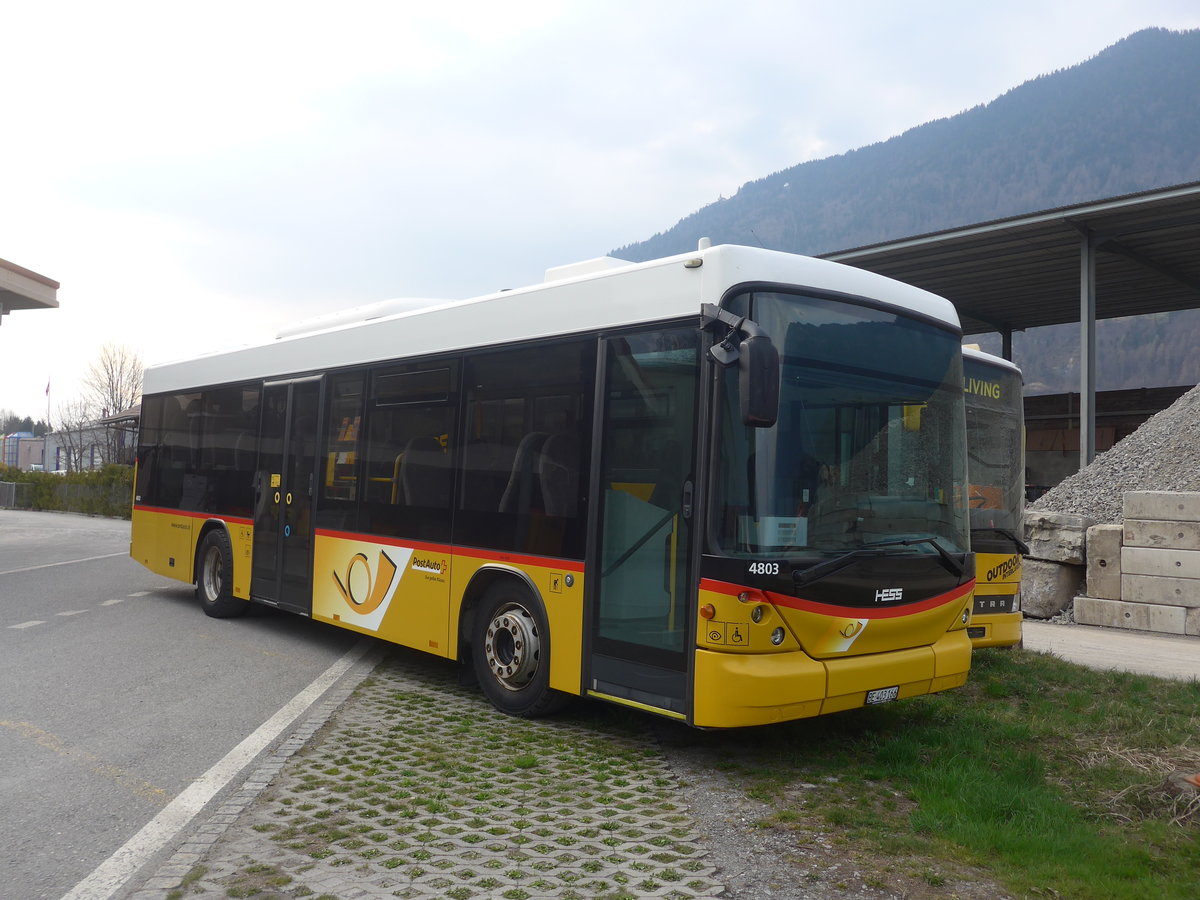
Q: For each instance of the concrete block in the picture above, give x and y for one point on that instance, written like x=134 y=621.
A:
x=1192 y=622
x=1047 y=588
x=1163 y=591
x=1170 y=506
x=1104 y=561
x=1057 y=537
x=1138 y=616
x=1151 y=561
x=1161 y=534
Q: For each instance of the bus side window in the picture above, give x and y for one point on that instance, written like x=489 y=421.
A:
x=150 y=450
x=524 y=463
x=407 y=453
x=342 y=447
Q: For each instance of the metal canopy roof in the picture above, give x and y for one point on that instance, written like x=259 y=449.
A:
x=1125 y=256
x=1025 y=271
x=22 y=289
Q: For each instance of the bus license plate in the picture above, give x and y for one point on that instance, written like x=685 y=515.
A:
x=883 y=695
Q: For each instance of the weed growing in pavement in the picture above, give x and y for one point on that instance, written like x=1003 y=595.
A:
x=194 y=875
x=424 y=790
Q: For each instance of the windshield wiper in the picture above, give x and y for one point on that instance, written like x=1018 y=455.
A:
x=802 y=577
x=1006 y=533
x=874 y=550
x=953 y=565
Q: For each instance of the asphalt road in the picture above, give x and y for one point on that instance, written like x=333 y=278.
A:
x=117 y=693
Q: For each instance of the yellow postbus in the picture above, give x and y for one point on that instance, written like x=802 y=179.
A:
x=727 y=487
x=996 y=471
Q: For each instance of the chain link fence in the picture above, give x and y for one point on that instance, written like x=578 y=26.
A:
x=105 y=499
x=16 y=495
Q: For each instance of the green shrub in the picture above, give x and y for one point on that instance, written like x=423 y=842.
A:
x=100 y=492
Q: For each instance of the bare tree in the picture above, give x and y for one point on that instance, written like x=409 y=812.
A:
x=114 y=380
x=77 y=433
x=114 y=384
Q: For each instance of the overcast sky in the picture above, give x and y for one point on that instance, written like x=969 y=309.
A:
x=197 y=175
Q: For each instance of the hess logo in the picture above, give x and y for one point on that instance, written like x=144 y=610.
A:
x=889 y=595
x=362 y=590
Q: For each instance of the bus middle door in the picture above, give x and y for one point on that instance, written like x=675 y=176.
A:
x=281 y=574
x=639 y=618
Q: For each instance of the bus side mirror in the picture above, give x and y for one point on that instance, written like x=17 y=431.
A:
x=758 y=381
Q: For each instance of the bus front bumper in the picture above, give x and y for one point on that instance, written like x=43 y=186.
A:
x=734 y=690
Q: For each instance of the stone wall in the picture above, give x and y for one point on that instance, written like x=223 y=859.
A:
x=1145 y=573
x=1053 y=570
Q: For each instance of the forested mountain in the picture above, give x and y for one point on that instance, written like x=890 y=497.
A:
x=1126 y=120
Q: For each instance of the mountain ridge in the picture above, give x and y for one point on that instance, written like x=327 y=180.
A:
x=1123 y=121
x=1122 y=125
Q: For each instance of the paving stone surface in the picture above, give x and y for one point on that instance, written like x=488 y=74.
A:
x=417 y=788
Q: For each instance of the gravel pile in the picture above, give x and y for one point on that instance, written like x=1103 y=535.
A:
x=1162 y=455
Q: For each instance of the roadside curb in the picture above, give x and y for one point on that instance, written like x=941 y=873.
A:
x=200 y=840
x=416 y=787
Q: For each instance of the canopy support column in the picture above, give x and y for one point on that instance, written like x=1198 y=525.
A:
x=1087 y=349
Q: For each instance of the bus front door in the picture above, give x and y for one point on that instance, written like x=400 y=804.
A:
x=281 y=574
x=639 y=615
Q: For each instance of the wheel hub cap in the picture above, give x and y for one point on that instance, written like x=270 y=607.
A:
x=512 y=646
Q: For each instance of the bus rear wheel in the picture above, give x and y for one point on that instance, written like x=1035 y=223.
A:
x=214 y=577
x=510 y=651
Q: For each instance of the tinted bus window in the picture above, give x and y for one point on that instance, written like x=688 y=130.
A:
x=526 y=449
x=407 y=454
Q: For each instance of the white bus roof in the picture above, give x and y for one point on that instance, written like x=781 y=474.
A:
x=972 y=351
x=618 y=294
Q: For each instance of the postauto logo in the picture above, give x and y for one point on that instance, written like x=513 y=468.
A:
x=433 y=566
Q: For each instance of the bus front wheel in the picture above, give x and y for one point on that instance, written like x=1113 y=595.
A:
x=214 y=577
x=510 y=651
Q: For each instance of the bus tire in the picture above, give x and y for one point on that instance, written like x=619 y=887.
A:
x=510 y=651
x=214 y=577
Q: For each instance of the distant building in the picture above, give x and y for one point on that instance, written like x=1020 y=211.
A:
x=77 y=450
x=111 y=439
x=21 y=450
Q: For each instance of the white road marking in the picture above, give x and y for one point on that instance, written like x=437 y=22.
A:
x=68 y=562
x=113 y=602
x=112 y=874
x=72 y=612
x=28 y=624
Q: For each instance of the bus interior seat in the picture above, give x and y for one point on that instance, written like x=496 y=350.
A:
x=485 y=472
x=518 y=494
x=558 y=474
x=244 y=451
x=397 y=486
x=425 y=473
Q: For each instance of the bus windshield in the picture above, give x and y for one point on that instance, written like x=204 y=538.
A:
x=994 y=445
x=869 y=446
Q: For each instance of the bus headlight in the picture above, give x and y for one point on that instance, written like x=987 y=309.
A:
x=756 y=614
x=1016 y=607
x=777 y=636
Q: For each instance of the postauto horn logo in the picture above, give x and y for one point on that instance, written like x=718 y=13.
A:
x=363 y=593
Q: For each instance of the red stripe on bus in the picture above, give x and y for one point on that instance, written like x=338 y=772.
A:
x=850 y=612
x=444 y=549
x=544 y=562
x=191 y=514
